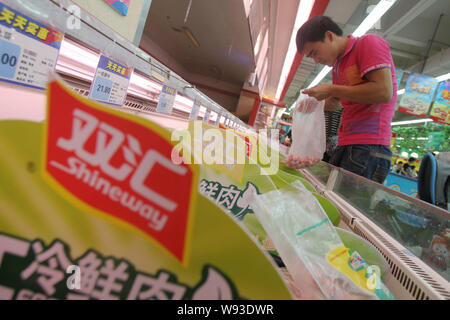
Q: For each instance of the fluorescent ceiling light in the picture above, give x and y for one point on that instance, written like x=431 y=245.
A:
x=443 y=77
x=400 y=92
x=145 y=83
x=398 y=123
x=382 y=7
x=71 y=70
x=258 y=44
x=82 y=55
x=303 y=13
x=190 y=36
x=78 y=61
x=183 y=103
x=320 y=76
x=183 y=100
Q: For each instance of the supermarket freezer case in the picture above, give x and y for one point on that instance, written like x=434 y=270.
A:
x=412 y=235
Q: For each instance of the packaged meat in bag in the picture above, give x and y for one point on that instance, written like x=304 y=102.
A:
x=308 y=134
x=319 y=262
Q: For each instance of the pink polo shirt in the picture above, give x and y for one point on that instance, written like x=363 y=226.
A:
x=365 y=123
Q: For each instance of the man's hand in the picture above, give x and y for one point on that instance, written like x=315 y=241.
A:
x=320 y=92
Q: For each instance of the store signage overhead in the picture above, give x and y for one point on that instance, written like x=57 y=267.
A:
x=418 y=95
x=28 y=49
x=120 y=5
x=399 y=75
x=166 y=100
x=110 y=84
x=440 y=112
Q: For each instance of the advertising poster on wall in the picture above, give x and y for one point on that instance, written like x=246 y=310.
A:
x=399 y=75
x=120 y=5
x=126 y=17
x=419 y=93
x=440 y=112
x=100 y=196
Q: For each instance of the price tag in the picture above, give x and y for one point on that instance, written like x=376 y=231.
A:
x=166 y=100
x=195 y=110
x=206 y=117
x=217 y=120
x=111 y=82
x=9 y=53
x=28 y=49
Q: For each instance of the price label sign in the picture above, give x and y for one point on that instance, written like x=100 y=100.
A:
x=166 y=100
x=28 y=49
x=206 y=117
x=195 y=110
x=217 y=120
x=110 y=84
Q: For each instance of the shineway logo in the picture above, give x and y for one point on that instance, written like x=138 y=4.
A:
x=119 y=167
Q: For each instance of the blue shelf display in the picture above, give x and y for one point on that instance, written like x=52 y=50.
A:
x=402 y=183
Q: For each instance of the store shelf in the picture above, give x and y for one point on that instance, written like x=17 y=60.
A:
x=98 y=37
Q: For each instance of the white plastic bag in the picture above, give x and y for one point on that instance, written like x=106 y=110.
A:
x=320 y=264
x=308 y=134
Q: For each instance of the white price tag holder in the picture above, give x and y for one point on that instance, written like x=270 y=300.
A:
x=110 y=84
x=218 y=120
x=28 y=49
x=166 y=100
x=206 y=117
x=195 y=110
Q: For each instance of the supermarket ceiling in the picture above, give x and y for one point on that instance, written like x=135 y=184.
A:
x=213 y=38
x=210 y=38
x=408 y=26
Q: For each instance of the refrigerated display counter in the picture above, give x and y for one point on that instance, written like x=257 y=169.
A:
x=412 y=235
x=406 y=231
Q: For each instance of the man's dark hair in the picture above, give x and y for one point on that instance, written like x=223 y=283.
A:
x=314 y=30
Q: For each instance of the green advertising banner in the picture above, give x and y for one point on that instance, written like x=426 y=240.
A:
x=91 y=207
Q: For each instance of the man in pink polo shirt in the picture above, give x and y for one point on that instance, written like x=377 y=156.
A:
x=364 y=84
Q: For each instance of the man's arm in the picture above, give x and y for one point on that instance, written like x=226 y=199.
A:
x=378 y=89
